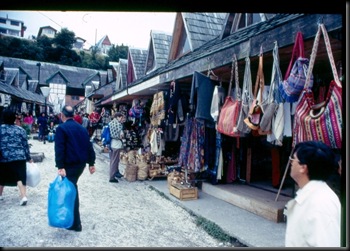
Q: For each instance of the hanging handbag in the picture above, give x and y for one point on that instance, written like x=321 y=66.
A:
x=270 y=105
x=322 y=121
x=295 y=77
x=247 y=96
x=229 y=113
x=255 y=111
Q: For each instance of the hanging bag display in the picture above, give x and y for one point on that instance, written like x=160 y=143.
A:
x=255 y=111
x=229 y=113
x=271 y=104
x=247 y=96
x=322 y=121
x=295 y=77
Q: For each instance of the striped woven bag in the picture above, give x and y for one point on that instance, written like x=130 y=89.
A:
x=322 y=121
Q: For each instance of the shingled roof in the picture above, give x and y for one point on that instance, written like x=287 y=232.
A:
x=158 y=51
x=73 y=77
x=136 y=64
x=12 y=85
x=202 y=27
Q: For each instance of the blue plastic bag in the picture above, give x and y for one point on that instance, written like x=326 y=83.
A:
x=61 y=198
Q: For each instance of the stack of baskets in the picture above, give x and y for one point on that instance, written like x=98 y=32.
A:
x=135 y=165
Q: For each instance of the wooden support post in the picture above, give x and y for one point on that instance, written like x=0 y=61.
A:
x=249 y=164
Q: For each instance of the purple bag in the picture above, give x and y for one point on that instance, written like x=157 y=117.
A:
x=295 y=77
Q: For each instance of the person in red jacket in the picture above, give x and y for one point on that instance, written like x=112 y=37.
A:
x=94 y=118
x=77 y=117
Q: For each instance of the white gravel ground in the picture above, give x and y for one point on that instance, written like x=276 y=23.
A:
x=124 y=214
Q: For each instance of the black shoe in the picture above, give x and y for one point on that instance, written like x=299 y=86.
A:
x=114 y=181
x=118 y=175
x=75 y=228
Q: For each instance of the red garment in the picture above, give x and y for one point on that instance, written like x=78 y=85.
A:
x=94 y=117
x=276 y=172
x=78 y=118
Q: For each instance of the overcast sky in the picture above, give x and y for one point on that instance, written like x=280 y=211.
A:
x=128 y=28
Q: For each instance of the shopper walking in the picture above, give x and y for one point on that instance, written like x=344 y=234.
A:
x=313 y=216
x=73 y=150
x=117 y=134
x=28 y=120
x=14 y=153
x=42 y=123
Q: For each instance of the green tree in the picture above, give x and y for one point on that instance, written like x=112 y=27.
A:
x=64 y=39
x=116 y=52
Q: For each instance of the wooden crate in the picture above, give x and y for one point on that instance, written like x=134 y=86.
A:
x=184 y=192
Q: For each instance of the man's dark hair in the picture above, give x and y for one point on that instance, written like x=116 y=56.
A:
x=320 y=159
x=68 y=111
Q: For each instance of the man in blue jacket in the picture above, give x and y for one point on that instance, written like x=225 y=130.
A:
x=73 y=150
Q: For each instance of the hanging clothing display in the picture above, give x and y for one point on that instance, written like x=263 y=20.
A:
x=201 y=95
x=157 y=111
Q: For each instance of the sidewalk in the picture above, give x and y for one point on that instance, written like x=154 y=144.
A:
x=248 y=228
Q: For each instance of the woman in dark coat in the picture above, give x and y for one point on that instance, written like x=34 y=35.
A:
x=14 y=153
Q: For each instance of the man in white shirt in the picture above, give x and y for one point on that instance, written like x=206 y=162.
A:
x=313 y=216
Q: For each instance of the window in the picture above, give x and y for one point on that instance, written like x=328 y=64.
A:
x=243 y=20
x=15 y=23
x=59 y=89
x=13 y=33
x=2 y=20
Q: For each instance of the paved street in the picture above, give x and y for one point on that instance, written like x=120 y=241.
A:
x=124 y=214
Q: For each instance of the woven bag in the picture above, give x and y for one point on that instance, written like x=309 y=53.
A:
x=255 y=111
x=229 y=113
x=295 y=77
x=131 y=172
x=143 y=167
x=247 y=96
x=270 y=105
x=322 y=121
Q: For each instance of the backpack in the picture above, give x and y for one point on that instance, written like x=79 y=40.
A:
x=106 y=135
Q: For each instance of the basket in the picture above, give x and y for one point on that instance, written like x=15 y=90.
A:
x=142 y=171
x=130 y=172
x=175 y=177
x=121 y=168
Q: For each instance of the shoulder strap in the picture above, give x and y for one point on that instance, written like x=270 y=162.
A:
x=247 y=83
x=234 y=71
x=298 y=47
x=260 y=81
x=321 y=28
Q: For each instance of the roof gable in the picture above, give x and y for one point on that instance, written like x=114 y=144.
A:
x=192 y=30
x=158 y=51
x=121 y=70
x=136 y=64
x=54 y=76
x=46 y=30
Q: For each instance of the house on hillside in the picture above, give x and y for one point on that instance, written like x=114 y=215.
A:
x=79 y=43
x=12 y=27
x=103 y=45
x=48 y=31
